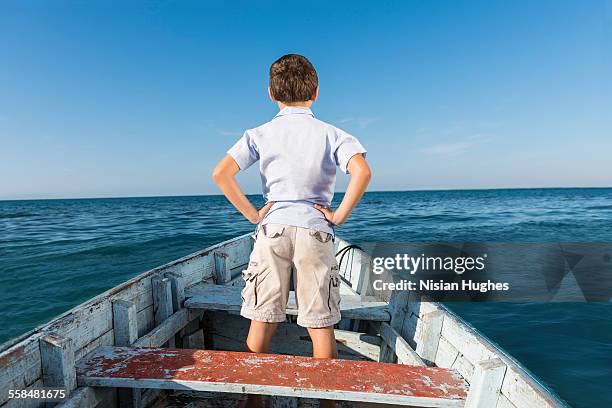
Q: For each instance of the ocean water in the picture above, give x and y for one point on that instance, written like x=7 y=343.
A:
x=55 y=254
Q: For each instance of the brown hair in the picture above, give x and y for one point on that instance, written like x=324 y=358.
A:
x=293 y=79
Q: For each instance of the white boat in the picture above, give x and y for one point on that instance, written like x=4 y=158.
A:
x=172 y=336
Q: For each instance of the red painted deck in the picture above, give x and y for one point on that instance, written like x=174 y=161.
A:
x=111 y=366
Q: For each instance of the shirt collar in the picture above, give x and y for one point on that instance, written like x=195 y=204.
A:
x=295 y=110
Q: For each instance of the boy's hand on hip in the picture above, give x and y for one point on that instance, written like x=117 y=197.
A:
x=329 y=214
x=263 y=211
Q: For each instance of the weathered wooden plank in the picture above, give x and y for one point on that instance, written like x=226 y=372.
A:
x=236 y=272
x=177 y=287
x=162 y=311
x=239 y=252
x=125 y=322
x=466 y=340
x=146 y=320
x=223 y=273
x=345 y=324
x=464 y=367
x=365 y=268
x=503 y=402
x=405 y=354
x=194 y=340
x=166 y=330
x=361 y=345
x=139 y=293
x=57 y=357
x=162 y=301
x=398 y=309
x=447 y=354
x=125 y=327
x=85 y=397
x=188 y=329
x=196 y=269
x=486 y=384
x=419 y=305
x=449 y=357
x=20 y=366
x=524 y=393
x=84 y=324
x=429 y=328
x=225 y=297
x=409 y=329
x=270 y=374
x=107 y=339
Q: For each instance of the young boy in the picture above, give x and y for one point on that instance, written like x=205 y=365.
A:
x=298 y=155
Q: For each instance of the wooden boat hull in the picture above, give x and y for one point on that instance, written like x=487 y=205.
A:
x=416 y=331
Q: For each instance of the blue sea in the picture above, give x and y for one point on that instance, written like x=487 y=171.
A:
x=55 y=254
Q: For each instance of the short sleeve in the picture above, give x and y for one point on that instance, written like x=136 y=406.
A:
x=346 y=147
x=244 y=152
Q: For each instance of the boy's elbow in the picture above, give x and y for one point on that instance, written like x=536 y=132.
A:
x=217 y=175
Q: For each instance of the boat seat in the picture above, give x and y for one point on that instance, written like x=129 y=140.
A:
x=225 y=297
x=271 y=374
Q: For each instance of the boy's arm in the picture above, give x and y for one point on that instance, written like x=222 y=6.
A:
x=360 y=177
x=224 y=176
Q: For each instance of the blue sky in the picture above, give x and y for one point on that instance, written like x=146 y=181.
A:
x=114 y=99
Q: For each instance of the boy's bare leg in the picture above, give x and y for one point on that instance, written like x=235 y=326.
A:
x=324 y=346
x=323 y=342
x=260 y=336
x=258 y=341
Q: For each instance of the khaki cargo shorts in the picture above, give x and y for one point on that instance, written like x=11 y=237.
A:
x=281 y=251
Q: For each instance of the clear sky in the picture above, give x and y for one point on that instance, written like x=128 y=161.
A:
x=127 y=99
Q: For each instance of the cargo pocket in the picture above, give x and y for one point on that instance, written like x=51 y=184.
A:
x=333 y=297
x=252 y=276
x=273 y=230
x=322 y=237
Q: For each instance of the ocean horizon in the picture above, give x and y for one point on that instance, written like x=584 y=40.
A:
x=57 y=253
x=335 y=193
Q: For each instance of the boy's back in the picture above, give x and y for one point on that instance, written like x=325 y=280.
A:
x=298 y=155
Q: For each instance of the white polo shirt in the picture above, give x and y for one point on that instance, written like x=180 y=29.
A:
x=298 y=155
